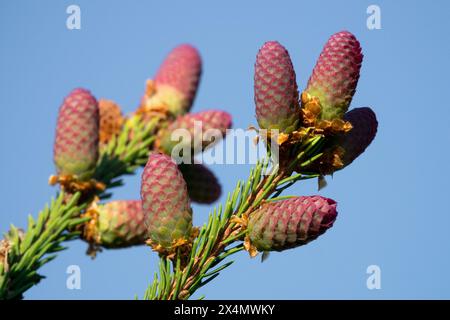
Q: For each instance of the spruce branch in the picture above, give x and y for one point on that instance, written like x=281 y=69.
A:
x=22 y=253
x=126 y=152
x=315 y=133
x=222 y=235
x=25 y=252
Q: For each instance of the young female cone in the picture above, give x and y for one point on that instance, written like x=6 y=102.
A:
x=165 y=203
x=290 y=223
x=77 y=135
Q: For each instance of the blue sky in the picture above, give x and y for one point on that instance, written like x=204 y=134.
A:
x=392 y=207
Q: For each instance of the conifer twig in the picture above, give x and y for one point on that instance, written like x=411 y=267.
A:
x=22 y=253
x=218 y=236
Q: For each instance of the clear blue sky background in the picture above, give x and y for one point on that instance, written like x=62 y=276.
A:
x=393 y=209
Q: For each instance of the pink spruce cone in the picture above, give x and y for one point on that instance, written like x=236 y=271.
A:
x=276 y=93
x=203 y=186
x=165 y=201
x=77 y=135
x=336 y=74
x=121 y=224
x=216 y=121
x=354 y=143
x=177 y=80
x=290 y=223
x=348 y=146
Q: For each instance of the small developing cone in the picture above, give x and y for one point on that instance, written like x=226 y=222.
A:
x=176 y=81
x=290 y=223
x=111 y=120
x=336 y=75
x=77 y=135
x=120 y=224
x=203 y=186
x=165 y=203
x=276 y=94
x=194 y=131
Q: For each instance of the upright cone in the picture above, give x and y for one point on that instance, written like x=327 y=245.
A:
x=177 y=80
x=290 y=223
x=336 y=75
x=165 y=203
x=77 y=135
x=276 y=94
